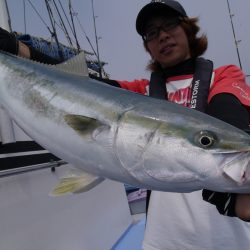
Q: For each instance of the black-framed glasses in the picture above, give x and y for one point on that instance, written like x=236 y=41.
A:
x=153 y=32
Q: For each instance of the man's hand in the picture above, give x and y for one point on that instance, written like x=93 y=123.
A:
x=242 y=206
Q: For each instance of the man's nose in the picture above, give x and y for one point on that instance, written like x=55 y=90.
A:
x=163 y=34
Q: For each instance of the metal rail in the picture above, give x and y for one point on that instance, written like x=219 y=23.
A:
x=15 y=171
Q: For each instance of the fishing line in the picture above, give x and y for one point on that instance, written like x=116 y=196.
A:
x=24 y=16
x=96 y=39
x=40 y=17
x=86 y=36
x=54 y=34
x=236 y=42
x=62 y=24
x=73 y=25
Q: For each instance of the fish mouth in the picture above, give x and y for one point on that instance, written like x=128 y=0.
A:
x=237 y=168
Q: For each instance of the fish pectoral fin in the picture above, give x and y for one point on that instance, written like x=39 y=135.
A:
x=84 y=125
x=76 y=184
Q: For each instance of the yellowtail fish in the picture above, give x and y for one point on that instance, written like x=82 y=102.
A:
x=113 y=133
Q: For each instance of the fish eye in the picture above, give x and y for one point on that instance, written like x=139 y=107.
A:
x=205 y=139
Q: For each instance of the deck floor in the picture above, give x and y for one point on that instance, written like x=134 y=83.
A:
x=133 y=237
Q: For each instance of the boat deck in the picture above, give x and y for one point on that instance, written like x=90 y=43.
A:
x=133 y=237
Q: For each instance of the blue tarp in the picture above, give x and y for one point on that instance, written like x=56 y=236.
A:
x=51 y=49
x=46 y=47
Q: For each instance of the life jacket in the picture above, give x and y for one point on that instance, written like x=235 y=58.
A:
x=199 y=90
x=200 y=84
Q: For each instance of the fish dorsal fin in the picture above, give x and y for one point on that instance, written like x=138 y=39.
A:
x=76 y=65
x=76 y=183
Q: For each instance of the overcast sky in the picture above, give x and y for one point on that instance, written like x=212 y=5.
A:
x=121 y=47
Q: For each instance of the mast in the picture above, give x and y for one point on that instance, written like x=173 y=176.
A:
x=4 y=16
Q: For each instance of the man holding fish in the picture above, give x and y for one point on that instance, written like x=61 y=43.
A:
x=182 y=220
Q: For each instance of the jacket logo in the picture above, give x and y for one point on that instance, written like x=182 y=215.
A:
x=195 y=94
x=243 y=92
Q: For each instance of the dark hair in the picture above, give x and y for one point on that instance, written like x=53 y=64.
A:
x=197 y=45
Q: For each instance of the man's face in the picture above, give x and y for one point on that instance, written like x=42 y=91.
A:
x=167 y=42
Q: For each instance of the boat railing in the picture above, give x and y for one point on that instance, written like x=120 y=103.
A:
x=21 y=170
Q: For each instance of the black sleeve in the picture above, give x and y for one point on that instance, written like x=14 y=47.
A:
x=105 y=80
x=40 y=57
x=228 y=108
x=8 y=42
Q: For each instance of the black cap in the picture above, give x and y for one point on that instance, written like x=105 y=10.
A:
x=155 y=7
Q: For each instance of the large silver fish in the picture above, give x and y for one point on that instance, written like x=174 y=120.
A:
x=112 y=133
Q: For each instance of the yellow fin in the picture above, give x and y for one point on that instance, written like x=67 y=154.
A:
x=83 y=125
x=76 y=184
